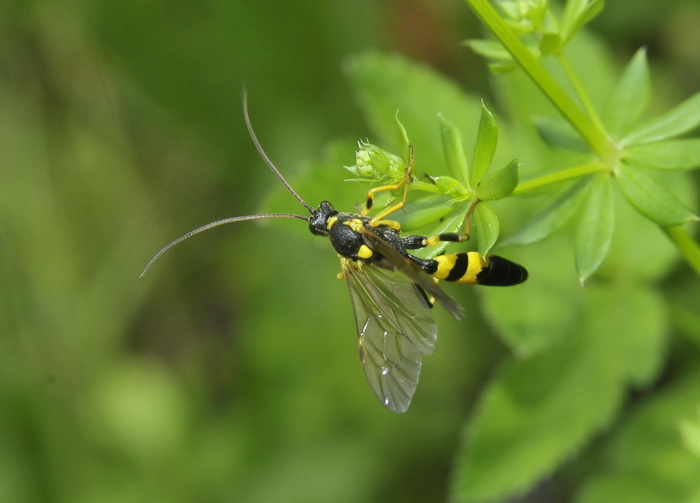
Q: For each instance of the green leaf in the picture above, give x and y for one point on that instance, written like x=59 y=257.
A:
x=651 y=199
x=445 y=185
x=425 y=213
x=454 y=150
x=487 y=227
x=502 y=68
x=403 y=137
x=630 y=96
x=489 y=49
x=666 y=154
x=633 y=242
x=499 y=184
x=485 y=146
x=595 y=229
x=646 y=459
x=681 y=119
x=385 y=83
x=577 y=13
x=550 y=43
x=553 y=218
x=560 y=134
x=539 y=411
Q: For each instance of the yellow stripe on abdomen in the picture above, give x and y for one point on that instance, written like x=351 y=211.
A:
x=459 y=267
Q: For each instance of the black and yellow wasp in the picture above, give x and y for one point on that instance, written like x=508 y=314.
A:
x=392 y=291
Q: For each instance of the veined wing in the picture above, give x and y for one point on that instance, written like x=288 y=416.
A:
x=395 y=327
x=413 y=271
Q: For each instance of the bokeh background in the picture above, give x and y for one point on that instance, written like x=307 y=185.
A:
x=230 y=372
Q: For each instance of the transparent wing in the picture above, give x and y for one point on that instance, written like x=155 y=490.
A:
x=396 y=328
x=413 y=271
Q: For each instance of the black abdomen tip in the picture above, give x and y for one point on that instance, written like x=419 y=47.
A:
x=502 y=272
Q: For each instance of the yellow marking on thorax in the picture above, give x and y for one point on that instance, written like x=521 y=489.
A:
x=355 y=224
x=331 y=222
x=365 y=252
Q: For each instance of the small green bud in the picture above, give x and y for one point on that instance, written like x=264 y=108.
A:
x=374 y=163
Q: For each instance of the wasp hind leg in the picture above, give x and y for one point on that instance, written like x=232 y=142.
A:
x=417 y=242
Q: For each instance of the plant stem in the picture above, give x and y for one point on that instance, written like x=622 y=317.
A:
x=595 y=136
x=560 y=176
x=685 y=244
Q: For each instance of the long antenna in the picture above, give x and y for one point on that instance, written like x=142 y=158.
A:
x=247 y=217
x=216 y=224
x=266 y=158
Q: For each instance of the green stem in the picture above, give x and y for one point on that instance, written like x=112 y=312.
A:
x=685 y=244
x=595 y=136
x=560 y=176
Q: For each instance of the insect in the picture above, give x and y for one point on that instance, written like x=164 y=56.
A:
x=392 y=291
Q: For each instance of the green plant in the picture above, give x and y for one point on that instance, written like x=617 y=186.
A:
x=599 y=178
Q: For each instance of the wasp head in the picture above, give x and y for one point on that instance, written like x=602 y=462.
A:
x=318 y=224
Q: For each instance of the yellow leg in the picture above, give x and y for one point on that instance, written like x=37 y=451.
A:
x=405 y=182
x=451 y=237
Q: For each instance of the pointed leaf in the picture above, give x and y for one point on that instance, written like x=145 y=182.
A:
x=454 y=150
x=446 y=185
x=551 y=219
x=485 y=147
x=681 y=119
x=651 y=199
x=633 y=244
x=666 y=154
x=502 y=68
x=595 y=229
x=499 y=184
x=424 y=212
x=490 y=49
x=630 y=97
x=487 y=227
x=550 y=43
x=541 y=410
x=403 y=137
x=577 y=13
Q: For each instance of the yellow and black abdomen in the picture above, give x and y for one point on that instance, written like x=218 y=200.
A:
x=474 y=269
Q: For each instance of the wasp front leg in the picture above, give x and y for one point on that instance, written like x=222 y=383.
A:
x=405 y=182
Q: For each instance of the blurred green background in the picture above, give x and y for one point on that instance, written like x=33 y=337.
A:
x=230 y=372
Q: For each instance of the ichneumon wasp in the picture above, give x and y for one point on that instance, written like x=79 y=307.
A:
x=392 y=291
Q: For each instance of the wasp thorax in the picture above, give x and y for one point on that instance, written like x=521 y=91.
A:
x=346 y=237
